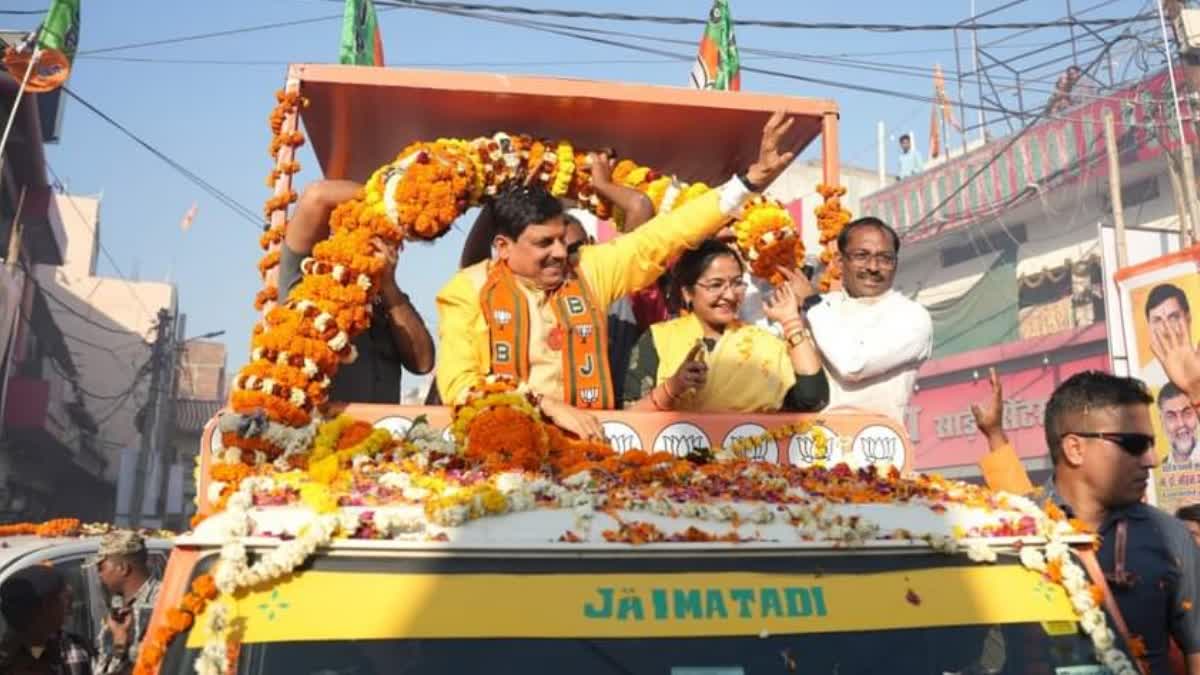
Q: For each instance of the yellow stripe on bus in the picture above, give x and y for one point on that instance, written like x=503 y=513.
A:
x=330 y=605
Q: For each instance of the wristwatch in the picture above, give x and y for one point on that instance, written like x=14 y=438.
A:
x=810 y=302
x=799 y=337
x=745 y=178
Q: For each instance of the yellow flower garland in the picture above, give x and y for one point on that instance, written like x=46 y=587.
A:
x=566 y=170
x=743 y=446
x=767 y=237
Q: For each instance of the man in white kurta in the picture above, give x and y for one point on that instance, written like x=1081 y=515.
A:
x=872 y=338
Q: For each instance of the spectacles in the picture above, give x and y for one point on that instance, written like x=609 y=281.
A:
x=1134 y=444
x=863 y=257
x=573 y=249
x=718 y=287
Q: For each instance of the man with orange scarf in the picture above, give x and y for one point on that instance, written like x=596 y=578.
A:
x=532 y=316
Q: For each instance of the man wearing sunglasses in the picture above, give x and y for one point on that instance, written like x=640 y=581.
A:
x=1101 y=443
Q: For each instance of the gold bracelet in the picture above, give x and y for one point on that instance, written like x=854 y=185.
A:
x=798 y=338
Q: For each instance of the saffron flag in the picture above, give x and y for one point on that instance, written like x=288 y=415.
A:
x=717 y=63
x=188 y=217
x=56 y=39
x=361 y=43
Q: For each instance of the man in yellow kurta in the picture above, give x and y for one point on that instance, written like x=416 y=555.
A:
x=530 y=315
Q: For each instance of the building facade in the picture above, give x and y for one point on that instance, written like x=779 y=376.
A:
x=52 y=462
x=117 y=320
x=1010 y=247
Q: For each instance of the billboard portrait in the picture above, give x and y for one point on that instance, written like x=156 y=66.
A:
x=1157 y=295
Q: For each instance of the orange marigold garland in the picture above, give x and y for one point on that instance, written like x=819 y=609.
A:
x=287 y=103
x=831 y=218
x=767 y=237
x=300 y=344
x=58 y=527
x=178 y=620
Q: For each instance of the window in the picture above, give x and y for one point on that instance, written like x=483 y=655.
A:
x=1007 y=239
x=1013 y=648
x=1137 y=192
x=79 y=621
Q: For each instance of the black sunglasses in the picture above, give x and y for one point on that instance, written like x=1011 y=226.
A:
x=1134 y=444
x=574 y=248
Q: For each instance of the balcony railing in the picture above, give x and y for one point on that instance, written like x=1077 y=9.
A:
x=1064 y=148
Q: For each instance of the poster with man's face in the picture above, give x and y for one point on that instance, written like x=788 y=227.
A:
x=1161 y=299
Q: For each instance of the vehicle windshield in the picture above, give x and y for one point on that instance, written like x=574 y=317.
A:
x=839 y=615
x=1014 y=648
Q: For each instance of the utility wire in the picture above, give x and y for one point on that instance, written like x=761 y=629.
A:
x=229 y=202
x=71 y=310
x=103 y=249
x=916 y=228
x=762 y=71
x=578 y=32
x=470 y=7
x=213 y=34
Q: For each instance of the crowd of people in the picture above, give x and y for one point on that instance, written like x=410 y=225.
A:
x=36 y=603
x=537 y=299
x=663 y=317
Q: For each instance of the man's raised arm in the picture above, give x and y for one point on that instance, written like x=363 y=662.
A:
x=633 y=261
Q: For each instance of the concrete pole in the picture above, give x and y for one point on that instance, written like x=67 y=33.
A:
x=881 y=152
x=1177 y=191
x=1114 y=187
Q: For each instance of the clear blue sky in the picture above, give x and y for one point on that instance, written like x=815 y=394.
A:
x=211 y=117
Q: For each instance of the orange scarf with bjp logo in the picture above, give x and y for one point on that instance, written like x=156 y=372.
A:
x=580 y=335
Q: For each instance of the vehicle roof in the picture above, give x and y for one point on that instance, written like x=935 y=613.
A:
x=31 y=547
x=359 y=118
x=368 y=547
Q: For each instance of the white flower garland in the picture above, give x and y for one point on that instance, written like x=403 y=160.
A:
x=1092 y=619
x=214 y=657
x=234 y=571
x=578 y=493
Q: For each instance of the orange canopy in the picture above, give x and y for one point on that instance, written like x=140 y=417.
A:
x=361 y=117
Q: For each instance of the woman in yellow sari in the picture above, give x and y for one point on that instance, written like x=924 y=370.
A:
x=708 y=361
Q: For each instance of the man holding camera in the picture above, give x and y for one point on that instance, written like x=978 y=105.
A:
x=123 y=567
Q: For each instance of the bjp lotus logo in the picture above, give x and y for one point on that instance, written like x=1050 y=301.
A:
x=681 y=438
x=879 y=446
x=820 y=446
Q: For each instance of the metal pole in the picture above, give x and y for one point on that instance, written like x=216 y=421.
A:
x=962 y=111
x=1114 y=187
x=165 y=422
x=881 y=152
x=1071 y=28
x=1185 y=227
x=12 y=115
x=1162 y=22
x=978 y=78
x=158 y=360
x=1189 y=166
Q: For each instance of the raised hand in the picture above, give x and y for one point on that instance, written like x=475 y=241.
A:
x=602 y=166
x=990 y=416
x=775 y=152
x=1179 y=358
x=781 y=306
x=801 y=285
